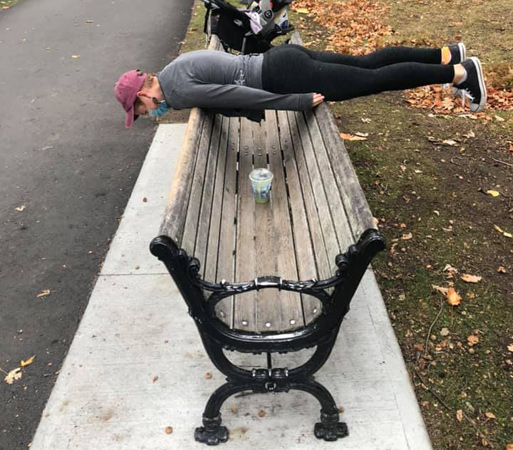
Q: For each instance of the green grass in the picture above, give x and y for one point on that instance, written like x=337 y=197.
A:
x=6 y=4
x=405 y=202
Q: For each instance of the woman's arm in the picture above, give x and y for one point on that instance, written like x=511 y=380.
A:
x=229 y=96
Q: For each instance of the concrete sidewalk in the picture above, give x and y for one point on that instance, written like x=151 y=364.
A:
x=137 y=366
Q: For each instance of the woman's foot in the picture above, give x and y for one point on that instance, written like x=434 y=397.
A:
x=454 y=53
x=473 y=85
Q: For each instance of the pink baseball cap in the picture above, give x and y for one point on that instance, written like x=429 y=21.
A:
x=126 y=89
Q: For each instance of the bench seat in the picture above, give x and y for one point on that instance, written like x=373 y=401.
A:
x=276 y=277
x=317 y=210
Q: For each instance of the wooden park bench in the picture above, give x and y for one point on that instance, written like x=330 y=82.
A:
x=267 y=278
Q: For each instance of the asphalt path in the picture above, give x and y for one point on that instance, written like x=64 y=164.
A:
x=67 y=168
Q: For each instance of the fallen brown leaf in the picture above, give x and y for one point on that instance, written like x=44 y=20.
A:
x=504 y=233
x=358 y=138
x=352 y=137
x=499 y=229
x=43 y=293
x=453 y=298
x=13 y=375
x=490 y=415
x=473 y=340
x=451 y=271
x=440 y=289
x=28 y=361
x=471 y=278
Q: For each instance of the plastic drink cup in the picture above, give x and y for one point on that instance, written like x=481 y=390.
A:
x=261 y=183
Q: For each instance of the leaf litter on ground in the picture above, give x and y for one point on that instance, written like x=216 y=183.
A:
x=13 y=376
x=27 y=362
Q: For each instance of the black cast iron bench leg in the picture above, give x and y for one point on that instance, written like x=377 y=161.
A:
x=269 y=380
x=321 y=333
x=213 y=433
x=329 y=428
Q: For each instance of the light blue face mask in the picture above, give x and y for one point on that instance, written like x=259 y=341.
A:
x=162 y=109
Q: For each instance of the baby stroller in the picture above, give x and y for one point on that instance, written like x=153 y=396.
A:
x=247 y=30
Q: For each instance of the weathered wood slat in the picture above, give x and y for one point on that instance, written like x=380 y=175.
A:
x=338 y=213
x=214 y=238
x=304 y=249
x=176 y=209
x=245 y=258
x=191 y=221
x=322 y=202
x=321 y=255
x=359 y=213
x=226 y=254
x=290 y=303
x=206 y=211
x=268 y=310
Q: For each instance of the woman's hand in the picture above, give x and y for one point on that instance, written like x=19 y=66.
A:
x=317 y=100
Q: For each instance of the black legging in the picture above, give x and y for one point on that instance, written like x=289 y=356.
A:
x=291 y=69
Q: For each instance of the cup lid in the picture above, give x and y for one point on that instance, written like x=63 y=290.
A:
x=261 y=174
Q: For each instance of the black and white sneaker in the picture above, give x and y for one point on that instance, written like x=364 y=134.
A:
x=458 y=53
x=473 y=88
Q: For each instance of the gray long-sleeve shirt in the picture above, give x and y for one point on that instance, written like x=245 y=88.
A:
x=223 y=83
